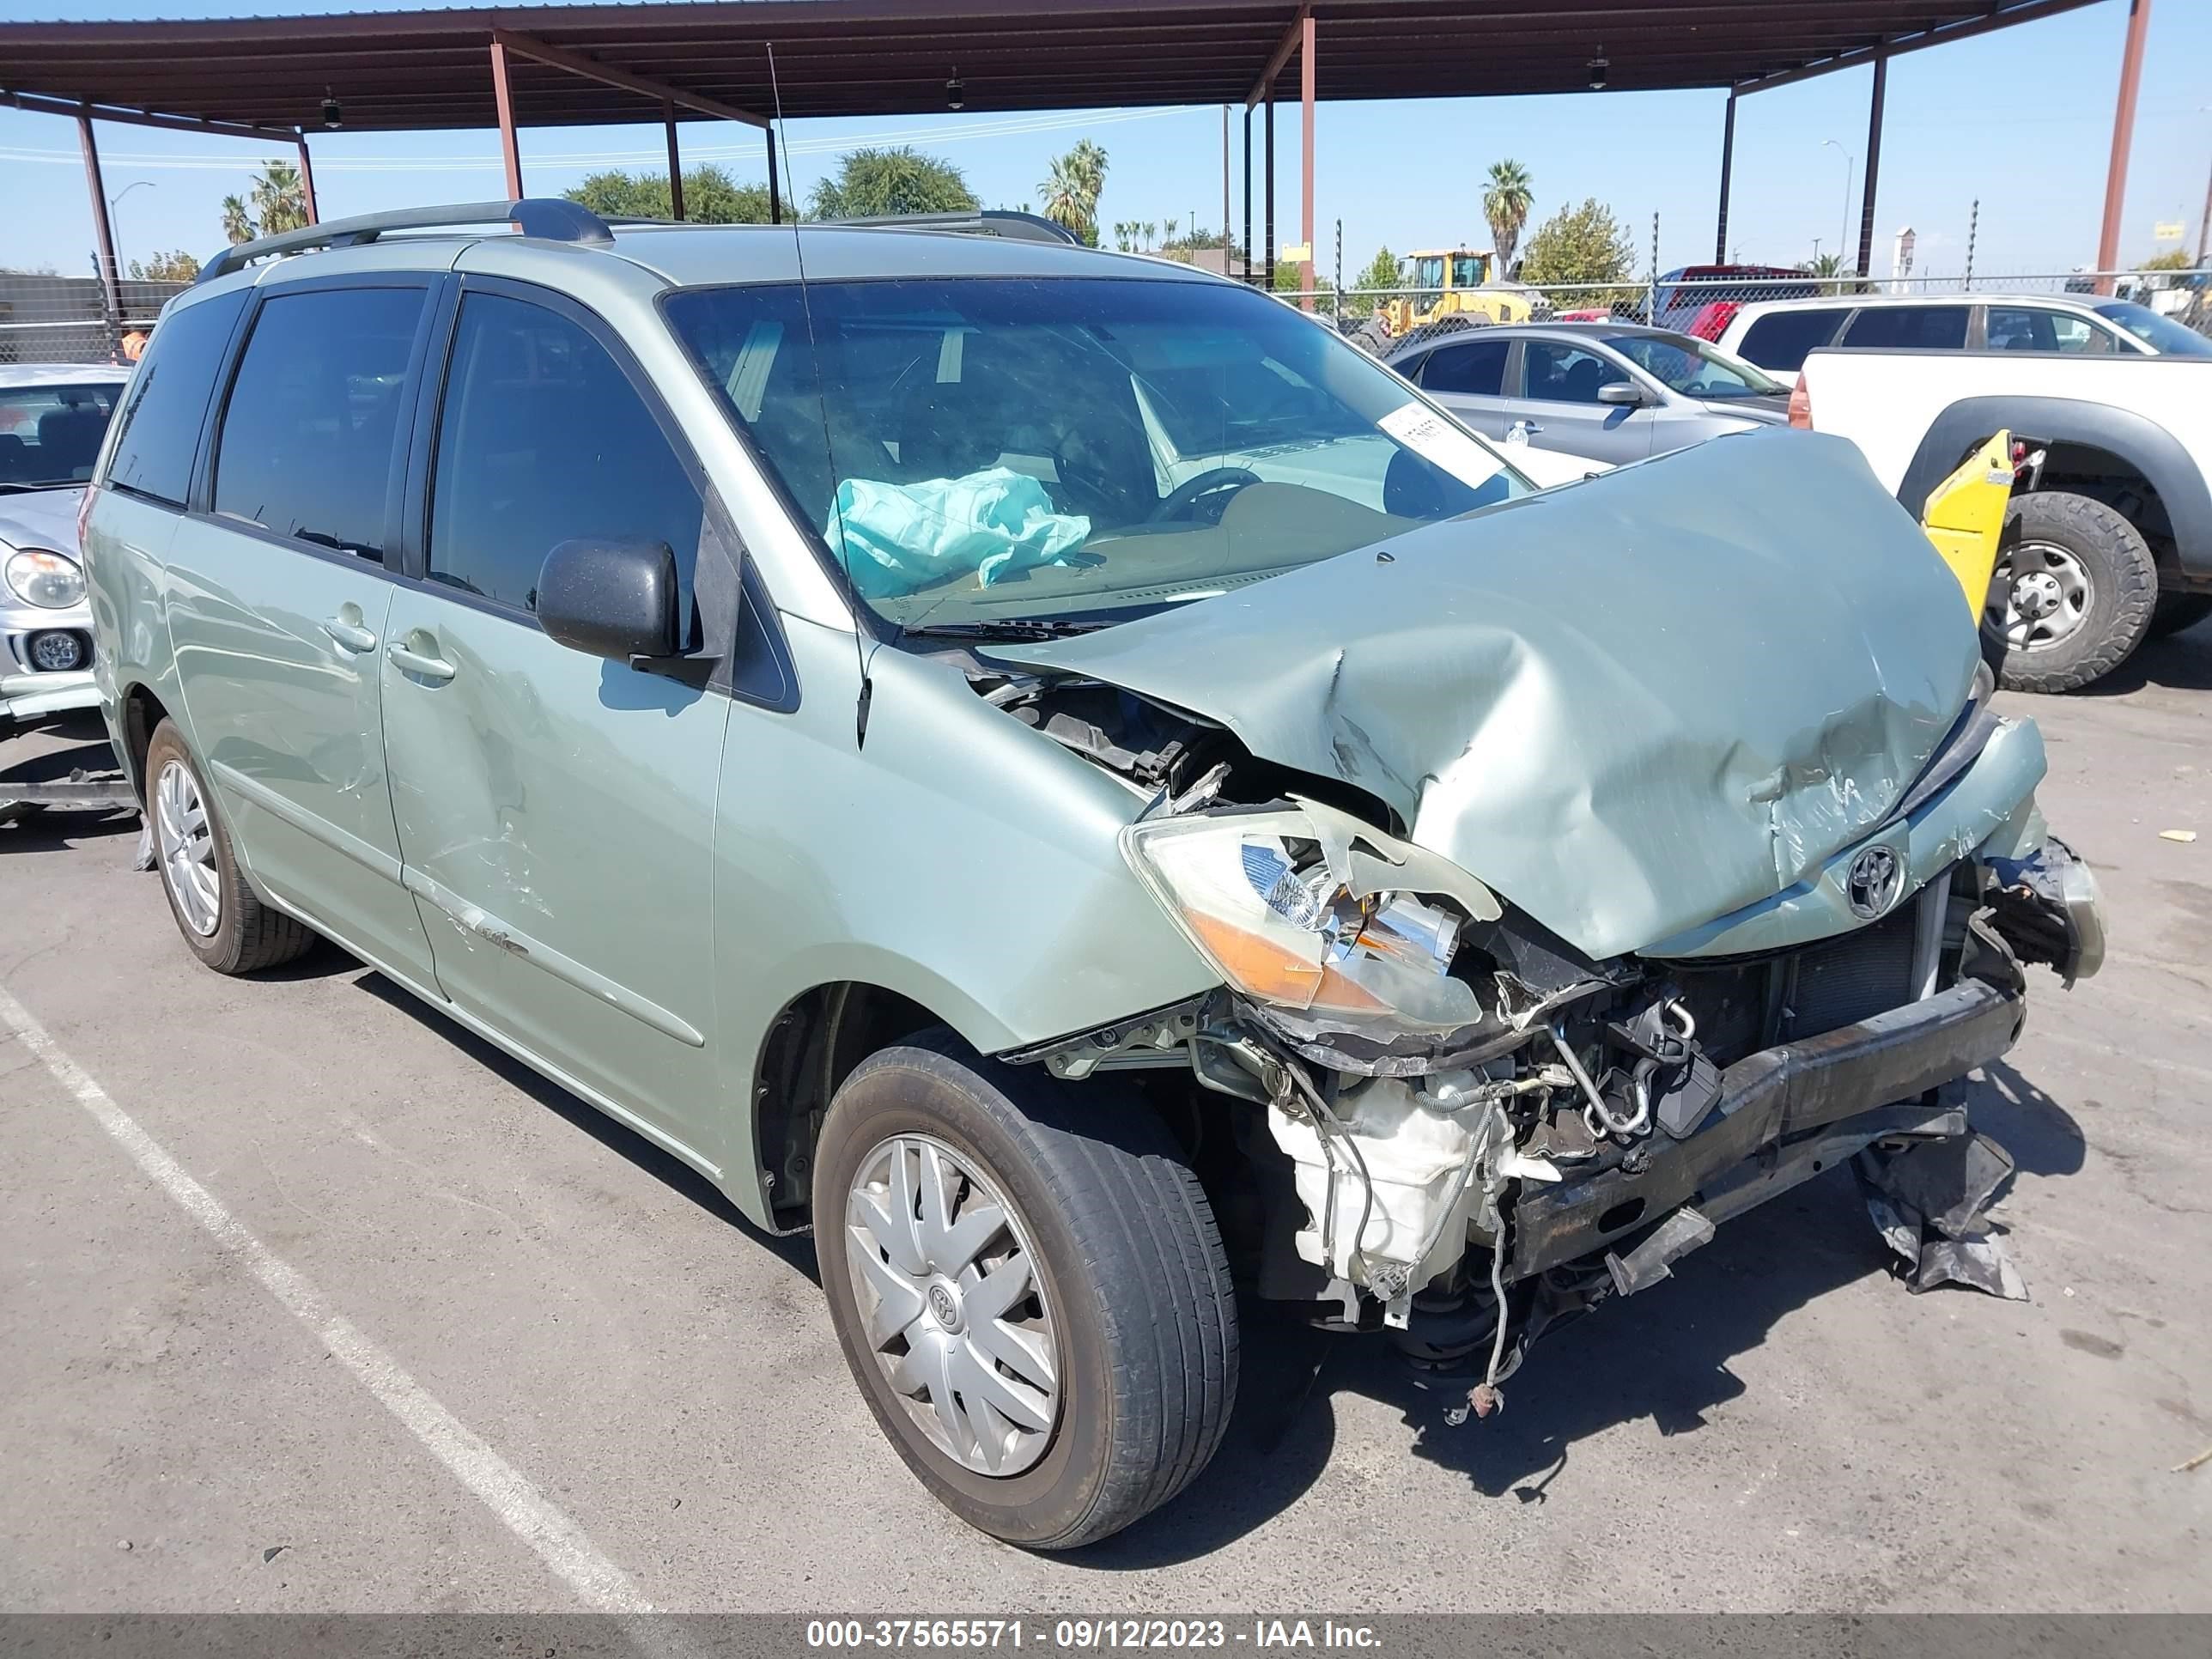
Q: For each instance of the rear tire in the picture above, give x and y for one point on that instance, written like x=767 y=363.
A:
x=1127 y=1297
x=2175 y=612
x=222 y=918
x=2072 y=596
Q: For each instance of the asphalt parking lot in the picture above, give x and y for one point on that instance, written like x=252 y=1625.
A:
x=184 y=1427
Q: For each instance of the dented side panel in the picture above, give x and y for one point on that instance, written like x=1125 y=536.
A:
x=1658 y=697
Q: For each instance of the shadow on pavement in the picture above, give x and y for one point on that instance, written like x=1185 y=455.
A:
x=1665 y=1355
x=666 y=1167
x=2181 y=662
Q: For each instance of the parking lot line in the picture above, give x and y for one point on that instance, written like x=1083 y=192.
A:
x=505 y=1491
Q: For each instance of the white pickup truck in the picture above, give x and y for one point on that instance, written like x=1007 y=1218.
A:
x=2109 y=539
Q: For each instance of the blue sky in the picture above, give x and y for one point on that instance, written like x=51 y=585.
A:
x=2021 y=118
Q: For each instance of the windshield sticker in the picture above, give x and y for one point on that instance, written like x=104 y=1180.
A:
x=1434 y=438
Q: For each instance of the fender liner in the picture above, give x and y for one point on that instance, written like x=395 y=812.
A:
x=2136 y=439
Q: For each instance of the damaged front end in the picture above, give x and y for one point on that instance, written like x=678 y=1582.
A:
x=1460 y=1127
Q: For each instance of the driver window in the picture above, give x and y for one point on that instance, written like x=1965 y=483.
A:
x=1563 y=373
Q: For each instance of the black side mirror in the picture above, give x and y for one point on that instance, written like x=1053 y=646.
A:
x=1626 y=394
x=611 y=599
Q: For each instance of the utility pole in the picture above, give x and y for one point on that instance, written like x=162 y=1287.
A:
x=1338 y=306
x=1973 y=229
x=1224 y=191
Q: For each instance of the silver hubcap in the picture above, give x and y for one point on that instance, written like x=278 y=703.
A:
x=2038 y=597
x=180 y=823
x=953 y=1311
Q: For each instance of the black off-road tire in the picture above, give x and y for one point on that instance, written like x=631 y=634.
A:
x=2124 y=588
x=1126 y=1253
x=2175 y=612
x=248 y=934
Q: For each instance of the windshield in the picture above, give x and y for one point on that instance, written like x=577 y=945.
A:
x=2160 y=334
x=1085 y=449
x=49 y=434
x=1468 y=269
x=1683 y=364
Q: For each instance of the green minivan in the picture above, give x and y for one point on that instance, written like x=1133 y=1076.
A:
x=1056 y=772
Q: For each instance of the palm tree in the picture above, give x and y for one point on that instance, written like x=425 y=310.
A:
x=1060 y=195
x=280 y=198
x=237 y=224
x=1506 y=204
x=1151 y=233
x=1168 y=241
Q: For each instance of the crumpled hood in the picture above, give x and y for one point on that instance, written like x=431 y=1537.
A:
x=1629 y=706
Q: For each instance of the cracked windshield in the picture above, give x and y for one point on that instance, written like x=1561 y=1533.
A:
x=981 y=453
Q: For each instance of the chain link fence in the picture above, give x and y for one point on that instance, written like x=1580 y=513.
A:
x=63 y=319
x=1705 y=307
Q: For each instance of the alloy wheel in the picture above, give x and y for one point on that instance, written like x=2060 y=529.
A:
x=955 y=1312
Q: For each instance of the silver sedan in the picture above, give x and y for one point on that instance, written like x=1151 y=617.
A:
x=1603 y=392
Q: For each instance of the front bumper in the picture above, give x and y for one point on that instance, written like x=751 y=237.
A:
x=1768 y=1103
x=27 y=690
x=25 y=695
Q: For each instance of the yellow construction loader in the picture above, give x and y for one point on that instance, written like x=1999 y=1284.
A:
x=1452 y=283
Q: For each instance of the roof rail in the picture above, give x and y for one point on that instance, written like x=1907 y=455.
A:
x=550 y=218
x=985 y=221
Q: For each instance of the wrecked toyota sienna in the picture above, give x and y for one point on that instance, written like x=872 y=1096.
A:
x=1060 y=775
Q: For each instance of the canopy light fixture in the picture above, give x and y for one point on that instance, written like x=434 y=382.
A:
x=955 y=92
x=1598 y=69
x=333 y=116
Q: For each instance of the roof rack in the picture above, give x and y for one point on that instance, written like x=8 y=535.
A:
x=549 y=218
x=985 y=221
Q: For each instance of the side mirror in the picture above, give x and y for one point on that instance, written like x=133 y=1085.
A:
x=610 y=598
x=1625 y=394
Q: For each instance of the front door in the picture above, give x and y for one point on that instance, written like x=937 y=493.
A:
x=278 y=605
x=1559 y=386
x=556 y=810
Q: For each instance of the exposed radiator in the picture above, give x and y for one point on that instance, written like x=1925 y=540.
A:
x=1842 y=979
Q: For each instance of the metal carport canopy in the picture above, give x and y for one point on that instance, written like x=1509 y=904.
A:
x=416 y=70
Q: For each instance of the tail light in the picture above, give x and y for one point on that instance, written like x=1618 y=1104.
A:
x=1712 y=319
x=1800 y=406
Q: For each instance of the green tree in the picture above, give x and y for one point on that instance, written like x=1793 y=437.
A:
x=279 y=198
x=1073 y=184
x=874 y=182
x=2174 y=258
x=177 y=267
x=1505 y=203
x=237 y=221
x=711 y=196
x=1579 y=244
x=1382 y=272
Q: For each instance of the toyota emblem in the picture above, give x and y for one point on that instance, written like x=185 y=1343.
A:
x=1875 y=882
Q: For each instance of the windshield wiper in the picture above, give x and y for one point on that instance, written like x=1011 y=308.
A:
x=25 y=485
x=1002 y=628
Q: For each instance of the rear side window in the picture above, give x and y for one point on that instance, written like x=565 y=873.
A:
x=1909 y=328
x=543 y=438
x=309 y=435
x=168 y=397
x=1479 y=370
x=1780 y=339
x=2031 y=328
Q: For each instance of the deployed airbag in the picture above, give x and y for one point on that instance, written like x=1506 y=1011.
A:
x=897 y=539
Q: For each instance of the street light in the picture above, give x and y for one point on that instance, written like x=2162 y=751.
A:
x=1850 y=168
x=111 y=202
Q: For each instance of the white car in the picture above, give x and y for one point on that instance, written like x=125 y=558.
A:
x=52 y=417
x=1775 y=334
x=2108 y=540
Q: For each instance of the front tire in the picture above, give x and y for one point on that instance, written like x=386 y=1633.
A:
x=1028 y=1288
x=220 y=915
x=2072 y=595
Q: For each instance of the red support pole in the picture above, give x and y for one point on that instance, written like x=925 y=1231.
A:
x=675 y=163
x=110 y=285
x=307 y=183
x=1873 y=162
x=2123 y=127
x=1306 y=160
x=508 y=149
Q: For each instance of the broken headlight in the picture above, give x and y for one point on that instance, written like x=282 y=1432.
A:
x=1303 y=909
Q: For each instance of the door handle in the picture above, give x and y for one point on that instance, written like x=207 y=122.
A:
x=352 y=636
x=414 y=662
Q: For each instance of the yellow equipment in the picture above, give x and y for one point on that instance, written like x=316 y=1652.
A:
x=1450 y=283
x=1965 y=517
